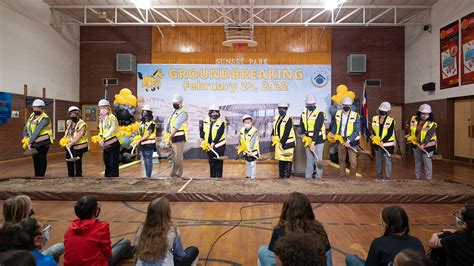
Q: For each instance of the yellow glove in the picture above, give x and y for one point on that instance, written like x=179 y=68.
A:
x=205 y=146
x=64 y=142
x=376 y=140
x=412 y=139
x=166 y=137
x=242 y=148
x=96 y=139
x=331 y=139
x=136 y=139
x=340 y=139
x=307 y=141
x=275 y=140
x=25 y=142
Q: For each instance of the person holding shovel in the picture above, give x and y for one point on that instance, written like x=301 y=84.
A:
x=37 y=136
x=249 y=146
x=213 y=141
x=383 y=139
x=313 y=135
x=75 y=142
x=283 y=138
x=347 y=127
x=423 y=137
x=147 y=138
x=109 y=139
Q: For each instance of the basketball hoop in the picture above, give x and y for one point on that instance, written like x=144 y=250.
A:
x=240 y=46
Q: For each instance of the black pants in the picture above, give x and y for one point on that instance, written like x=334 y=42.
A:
x=121 y=250
x=74 y=168
x=40 y=161
x=190 y=255
x=216 y=166
x=112 y=160
x=284 y=168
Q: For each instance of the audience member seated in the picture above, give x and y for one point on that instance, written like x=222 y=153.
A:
x=300 y=249
x=395 y=238
x=17 y=208
x=17 y=258
x=410 y=257
x=87 y=240
x=158 y=241
x=455 y=247
x=297 y=216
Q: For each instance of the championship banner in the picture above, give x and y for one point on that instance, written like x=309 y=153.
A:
x=449 y=43
x=467 y=52
x=255 y=90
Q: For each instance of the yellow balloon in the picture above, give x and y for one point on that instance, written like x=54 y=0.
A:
x=350 y=94
x=119 y=99
x=341 y=89
x=125 y=92
x=131 y=100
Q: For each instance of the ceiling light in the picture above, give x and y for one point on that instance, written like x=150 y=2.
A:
x=142 y=4
x=333 y=4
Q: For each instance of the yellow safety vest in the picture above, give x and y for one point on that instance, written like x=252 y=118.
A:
x=104 y=128
x=386 y=125
x=280 y=153
x=46 y=132
x=142 y=131
x=207 y=128
x=309 y=121
x=83 y=141
x=426 y=127
x=349 y=124
x=182 y=133
x=246 y=138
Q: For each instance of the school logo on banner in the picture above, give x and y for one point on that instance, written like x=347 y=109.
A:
x=320 y=78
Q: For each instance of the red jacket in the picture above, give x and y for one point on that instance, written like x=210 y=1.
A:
x=87 y=242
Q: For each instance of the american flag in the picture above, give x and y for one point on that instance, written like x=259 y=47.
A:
x=365 y=115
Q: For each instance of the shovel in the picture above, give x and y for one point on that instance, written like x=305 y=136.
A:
x=131 y=154
x=72 y=159
x=219 y=157
x=390 y=155
x=319 y=162
x=30 y=152
x=284 y=154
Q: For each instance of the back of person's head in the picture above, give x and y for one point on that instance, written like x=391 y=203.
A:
x=153 y=237
x=87 y=207
x=395 y=221
x=300 y=249
x=296 y=207
x=12 y=237
x=467 y=218
x=17 y=258
x=17 y=208
x=410 y=257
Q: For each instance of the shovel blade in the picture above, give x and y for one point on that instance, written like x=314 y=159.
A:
x=30 y=152
x=323 y=162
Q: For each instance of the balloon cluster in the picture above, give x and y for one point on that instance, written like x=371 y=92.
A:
x=125 y=107
x=128 y=133
x=341 y=92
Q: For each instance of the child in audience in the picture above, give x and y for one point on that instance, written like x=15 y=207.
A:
x=158 y=240
x=458 y=245
x=296 y=217
x=300 y=249
x=410 y=257
x=395 y=238
x=87 y=240
x=17 y=258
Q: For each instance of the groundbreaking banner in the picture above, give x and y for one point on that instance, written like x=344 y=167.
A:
x=255 y=90
x=449 y=43
x=467 y=52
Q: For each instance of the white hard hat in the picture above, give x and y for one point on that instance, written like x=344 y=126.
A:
x=214 y=108
x=425 y=108
x=283 y=105
x=103 y=102
x=246 y=117
x=38 y=103
x=146 y=107
x=177 y=98
x=347 y=101
x=73 y=108
x=385 y=106
x=310 y=99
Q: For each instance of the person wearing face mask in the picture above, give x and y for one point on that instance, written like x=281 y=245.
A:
x=456 y=247
x=423 y=129
x=348 y=127
x=147 y=143
x=87 y=239
x=212 y=131
x=283 y=137
x=383 y=131
x=312 y=126
x=109 y=132
x=177 y=128
x=76 y=131
x=250 y=144
x=38 y=129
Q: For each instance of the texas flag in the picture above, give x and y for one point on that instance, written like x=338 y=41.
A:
x=365 y=115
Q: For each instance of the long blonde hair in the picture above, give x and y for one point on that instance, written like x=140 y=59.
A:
x=16 y=209
x=153 y=240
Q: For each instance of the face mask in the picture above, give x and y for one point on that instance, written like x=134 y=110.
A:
x=248 y=126
x=103 y=111
x=424 y=116
x=97 y=213
x=215 y=116
x=45 y=232
x=176 y=106
x=310 y=107
x=382 y=113
x=459 y=222
x=37 y=112
x=346 y=108
x=281 y=112
x=74 y=119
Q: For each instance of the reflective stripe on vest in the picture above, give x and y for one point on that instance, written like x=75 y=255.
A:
x=388 y=122
x=246 y=139
x=45 y=133
x=142 y=131
x=183 y=129
x=426 y=127
x=104 y=129
x=79 y=125
x=309 y=121
x=215 y=127
x=351 y=119
x=280 y=131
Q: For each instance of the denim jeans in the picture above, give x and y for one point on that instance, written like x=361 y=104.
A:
x=147 y=156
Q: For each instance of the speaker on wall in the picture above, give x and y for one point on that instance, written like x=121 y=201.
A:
x=356 y=63
x=126 y=63
x=429 y=86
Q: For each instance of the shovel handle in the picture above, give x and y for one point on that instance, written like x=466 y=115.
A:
x=215 y=153
x=385 y=150
x=70 y=153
